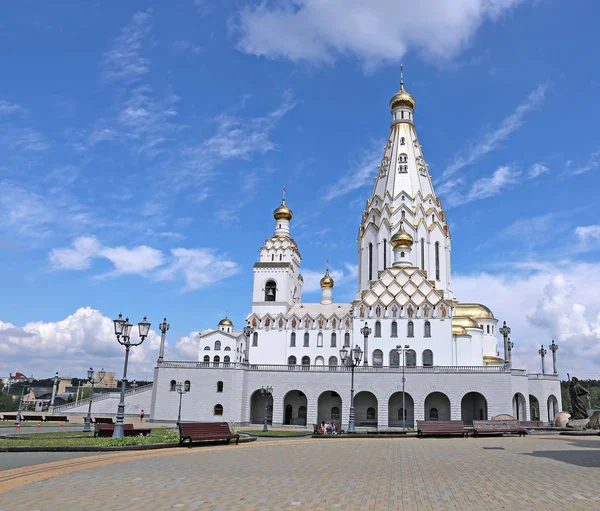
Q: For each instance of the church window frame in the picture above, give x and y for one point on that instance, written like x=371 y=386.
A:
x=402 y=141
x=488 y=329
x=377 y=358
x=332 y=362
x=427 y=358
x=434 y=414
x=333 y=340
x=217 y=345
x=410 y=329
x=384 y=254
x=292 y=360
x=187 y=385
x=377 y=328
x=255 y=339
x=306 y=339
x=293 y=340
x=206 y=359
x=320 y=340
x=437 y=260
x=270 y=285
x=219 y=386
x=172 y=386
x=335 y=413
x=226 y=360
x=216 y=360
x=422 y=253
x=347 y=340
x=370 y=261
x=305 y=363
x=218 y=410
x=394 y=329
x=394 y=358
x=371 y=414
x=411 y=358
x=427 y=329
x=206 y=348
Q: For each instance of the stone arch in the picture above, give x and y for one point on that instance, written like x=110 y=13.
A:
x=434 y=388
x=473 y=406
x=259 y=406
x=553 y=409
x=437 y=406
x=326 y=402
x=366 y=408
x=535 y=409
x=394 y=401
x=519 y=405
x=295 y=407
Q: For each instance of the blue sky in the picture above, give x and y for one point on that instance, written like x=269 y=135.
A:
x=144 y=147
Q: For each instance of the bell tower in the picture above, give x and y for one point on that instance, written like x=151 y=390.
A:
x=277 y=279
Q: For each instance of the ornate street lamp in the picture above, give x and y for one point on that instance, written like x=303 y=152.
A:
x=163 y=327
x=366 y=331
x=266 y=392
x=542 y=353
x=505 y=331
x=181 y=390
x=122 y=332
x=54 y=390
x=554 y=348
x=248 y=331
x=351 y=360
x=90 y=375
x=403 y=351
x=20 y=410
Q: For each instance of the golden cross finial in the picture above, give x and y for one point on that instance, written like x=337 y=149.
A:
x=226 y=312
x=327 y=265
x=283 y=198
x=401 y=77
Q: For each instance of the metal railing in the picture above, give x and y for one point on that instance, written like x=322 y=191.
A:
x=101 y=397
x=339 y=368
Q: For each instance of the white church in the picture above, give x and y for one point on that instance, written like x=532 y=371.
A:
x=448 y=352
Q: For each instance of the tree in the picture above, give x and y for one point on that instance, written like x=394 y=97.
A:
x=8 y=403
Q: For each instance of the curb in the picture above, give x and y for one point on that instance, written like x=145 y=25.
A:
x=100 y=448
x=253 y=435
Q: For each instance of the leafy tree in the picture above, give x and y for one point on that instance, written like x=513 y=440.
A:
x=8 y=403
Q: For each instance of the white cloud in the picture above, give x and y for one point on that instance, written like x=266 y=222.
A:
x=502 y=178
x=83 y=339
x=138 y=260
x=124 y=60
x=494 y=138
x=541 y=302
x=588 y=236
x=9 y=108
x=536 y=170
x=362 y=175
x=376 y=31
x=199 y=267
x=592 y=163
x=77 y=258
x=23 y=139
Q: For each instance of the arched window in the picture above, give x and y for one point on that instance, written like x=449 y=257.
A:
x=173 y=386
x=427 y=329
x=394 y=358
x=280 y=256
x=394 y=329
x=206 y=348
x=292 y=360
x=217 y=345
x=402 y=141
x=370 y=261
x=226 y=360
x=492 y=328
x=333 y=340
x=187 y=385
x=371 y=414
x=422 y=253
x=227 y=348
x=433 y=414
x=411 y=329
x=378 y=358
x=206 y=358
x=216 y=360
x=384 y=254
x=437 y=260
x=218 y=410
x=320 y=340
x=411 y=358
x=255 y=339
x=377 y=329
x=270 y=291
x=488 y=329
x=306 y=339
x=219 y=386
x=319 y=361
x=346 y=339
x=293 y=340
x=333 y=361
x=427 y=358
x=305 y=362
x=335 y=413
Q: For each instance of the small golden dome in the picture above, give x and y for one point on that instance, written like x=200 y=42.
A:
x=283 y=212
x=226 y=322
x=459 y=330
x=474 y=310
x=465 y=322
x=327 y=281
x=402 y=98
x=402 y=239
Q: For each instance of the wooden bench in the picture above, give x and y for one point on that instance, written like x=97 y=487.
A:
x=441 y=428
x=107 y=430
x=56 y=418
x=9 y=417
x=37 y=418
x=338 y=428
x=103 y=420
x=497 y=427
x=199 y=431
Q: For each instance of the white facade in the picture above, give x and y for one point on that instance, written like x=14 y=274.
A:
x=404 y=297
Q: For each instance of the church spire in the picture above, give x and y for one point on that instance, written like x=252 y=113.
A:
x=402 y=99
x=282 y=216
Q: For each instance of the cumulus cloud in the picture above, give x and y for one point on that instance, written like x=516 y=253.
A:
x=541 y=302
x=588 y=236
x=197 y=267
x=376 y=31
x=83 y=339
x=502 y=178
x=537 y=169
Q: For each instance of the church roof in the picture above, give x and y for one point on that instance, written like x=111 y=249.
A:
x=474 y=310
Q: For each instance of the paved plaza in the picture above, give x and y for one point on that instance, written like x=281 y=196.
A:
x=535 y=472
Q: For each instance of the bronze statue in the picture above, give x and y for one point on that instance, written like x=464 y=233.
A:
x=578 y=408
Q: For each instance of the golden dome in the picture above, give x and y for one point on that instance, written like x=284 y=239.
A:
x=402 y=98
x=473 y=310
x=402 y=239
x=283 y=212
x=327 y=281
x=488 y=359
x=465 y=322
x=459 y=330
x=226 y=322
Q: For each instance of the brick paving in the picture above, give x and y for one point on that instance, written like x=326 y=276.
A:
x=543 y=472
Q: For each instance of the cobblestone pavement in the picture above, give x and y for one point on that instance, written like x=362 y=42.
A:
x=531 y=473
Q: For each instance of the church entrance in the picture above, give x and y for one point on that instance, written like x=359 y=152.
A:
x=395 y=410
x=297 y=402
x=473 y=407
x=437 y=407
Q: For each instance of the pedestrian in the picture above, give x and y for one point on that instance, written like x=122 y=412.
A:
x=142 y=416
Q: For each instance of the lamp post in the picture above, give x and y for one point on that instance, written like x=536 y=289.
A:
x=542 y=353
x=266 y=392
x=181 y=390
x=553 y=348
x=505 y=331
x=403 y=351
x=248 y=331
x=163 y=327
x=54 y=390
x=90 y=375
x=122 y=332
x=20 y=410
x=366 y=331
x=510 y=345
x=351 y=360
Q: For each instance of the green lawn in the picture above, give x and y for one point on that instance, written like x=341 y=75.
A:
x=64 y=439
x=276 y=433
